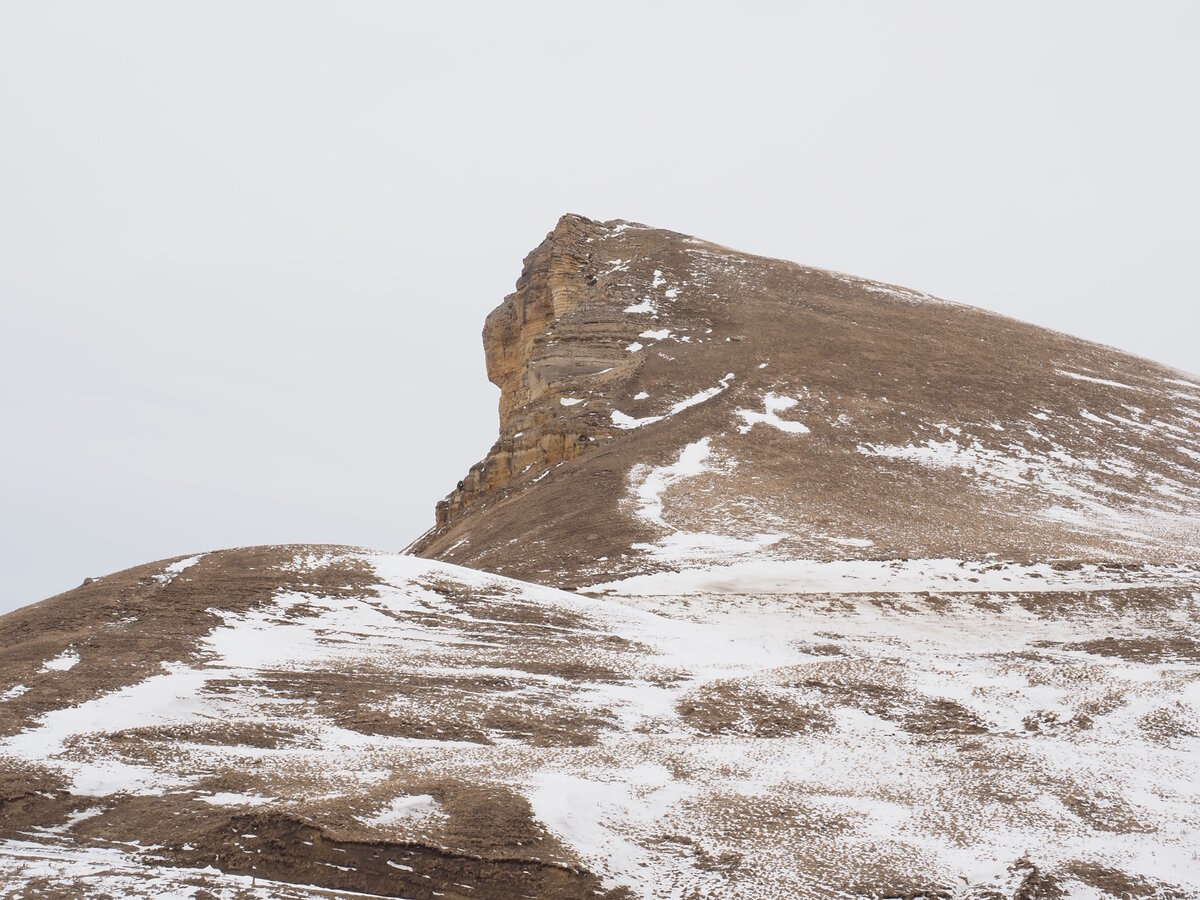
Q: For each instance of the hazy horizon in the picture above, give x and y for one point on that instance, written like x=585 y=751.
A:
x=246 y=249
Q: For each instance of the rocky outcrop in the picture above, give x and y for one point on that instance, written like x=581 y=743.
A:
x=557 y=337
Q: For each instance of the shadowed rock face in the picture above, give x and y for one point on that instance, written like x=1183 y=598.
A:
x=885 y=597
x=836 y=417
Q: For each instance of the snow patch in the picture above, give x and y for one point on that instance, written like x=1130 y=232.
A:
x=650 y=482
x=64 y=662
x=608 y=821
x=773 y=405
x=168 y=574
x=406 y=810
x=625 y=421
x=1117 y=384
x=943 y=574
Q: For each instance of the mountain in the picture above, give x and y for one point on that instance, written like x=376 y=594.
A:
x=703 y=405
x=778 y=583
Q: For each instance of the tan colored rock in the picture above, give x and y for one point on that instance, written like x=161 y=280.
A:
x=542 y=347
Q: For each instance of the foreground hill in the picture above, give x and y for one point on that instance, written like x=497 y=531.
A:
x=875 y=596
x=289 y=721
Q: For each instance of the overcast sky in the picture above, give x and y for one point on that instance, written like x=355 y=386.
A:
x=246 y=248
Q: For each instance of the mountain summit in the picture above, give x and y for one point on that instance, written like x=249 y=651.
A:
x=666 y=401
x=778 y=583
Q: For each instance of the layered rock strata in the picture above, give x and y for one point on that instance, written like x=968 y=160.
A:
x=542 y=346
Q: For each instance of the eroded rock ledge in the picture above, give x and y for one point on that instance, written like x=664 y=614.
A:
x=558 y=334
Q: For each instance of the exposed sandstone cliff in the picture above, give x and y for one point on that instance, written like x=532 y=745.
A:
x=542 y=344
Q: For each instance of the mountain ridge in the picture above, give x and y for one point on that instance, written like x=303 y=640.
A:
x=615 y=302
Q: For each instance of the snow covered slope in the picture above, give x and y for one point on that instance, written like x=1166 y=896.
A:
x=389 y=725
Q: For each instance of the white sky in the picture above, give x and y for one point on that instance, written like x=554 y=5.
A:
x=246 y=248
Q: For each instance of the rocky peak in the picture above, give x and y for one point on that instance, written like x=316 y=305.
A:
x=668 y=402
x=543 y=344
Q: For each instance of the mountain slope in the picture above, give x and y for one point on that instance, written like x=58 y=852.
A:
x=876 y=596
x=675 y=402
x=389 y=725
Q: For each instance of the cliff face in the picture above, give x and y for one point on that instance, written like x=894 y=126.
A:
x=543 y=345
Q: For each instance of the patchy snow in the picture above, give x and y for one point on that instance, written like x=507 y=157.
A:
x=569 y=401
x=616 y=265
x=14 y=692
x=806 y=576
x=168 y=574
x=701 y=396
x=650 y=482
x=956 y=722
x=59 y=867
x=693 y=546
x=849 y=541
x=647 y=487
x=645 y=306
x=878 y=287
x=773 y=405
x=660 y=335
x=640 y=395
x=64 y=662
x=624 y=421
x=1093 y=380
x=75 y=818
x=1060 y=481
x=603 y=818
x=634 y=347
x=406 y=810
x=972 y=457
